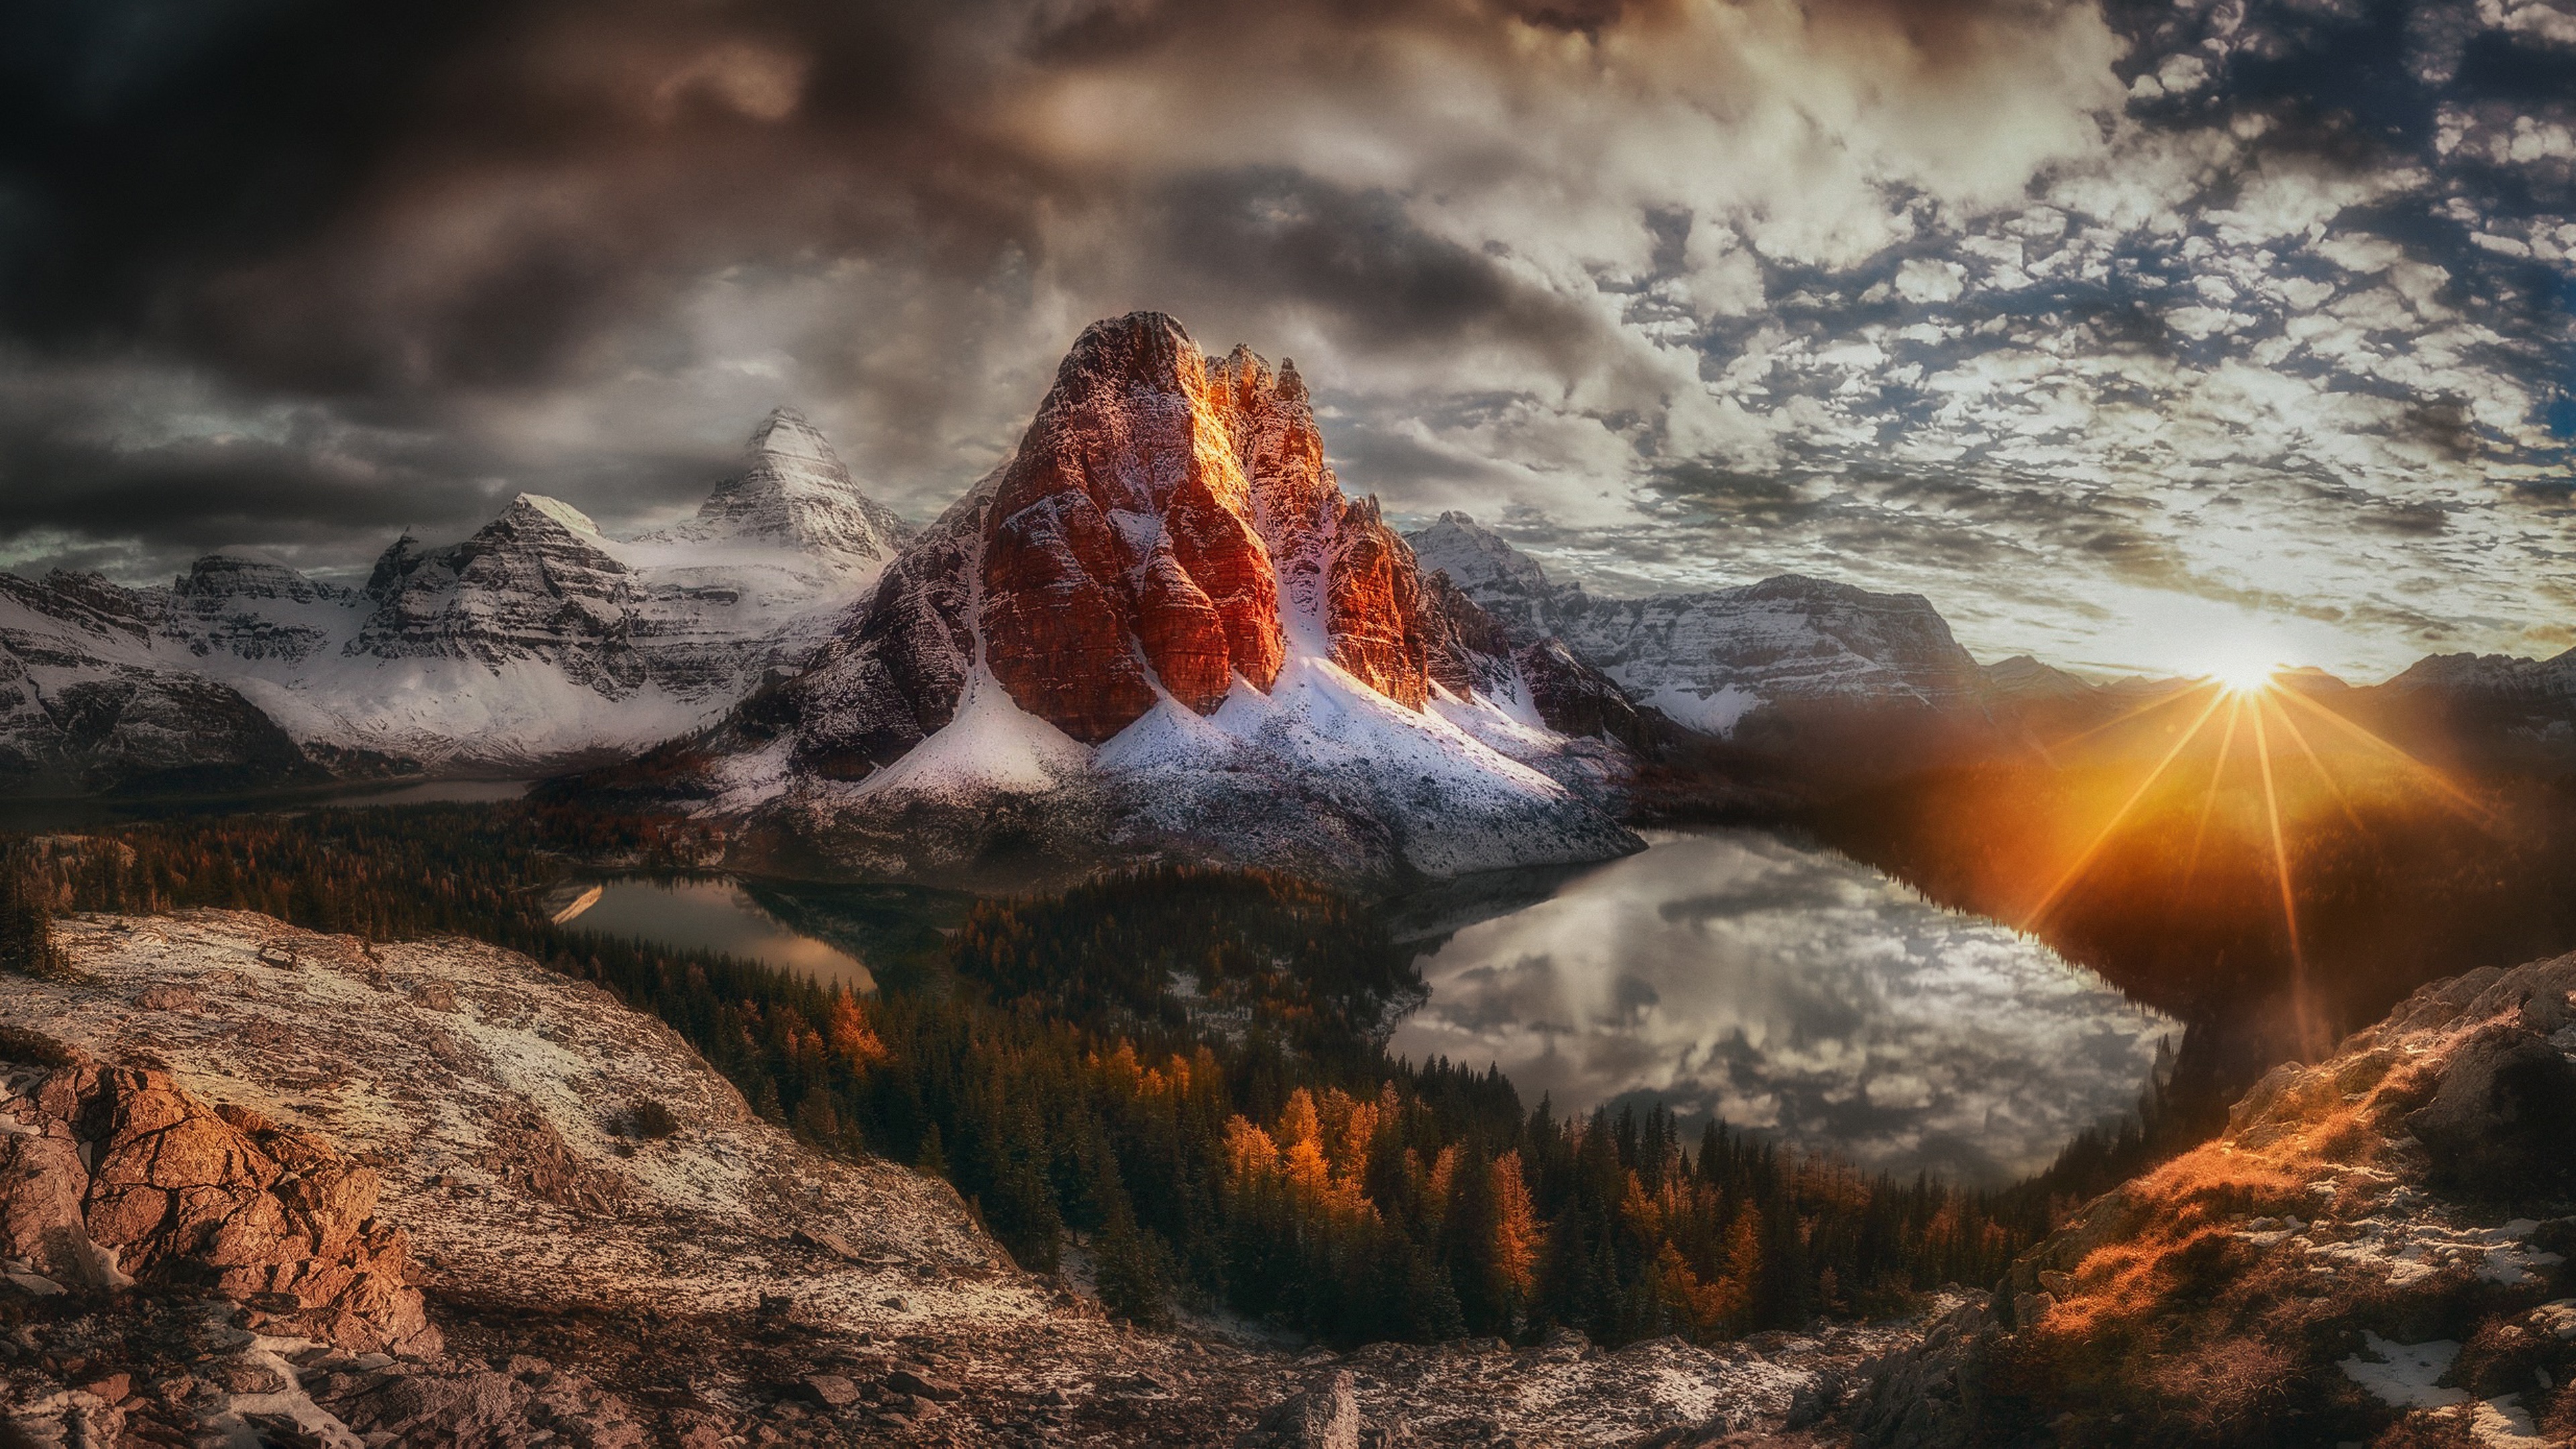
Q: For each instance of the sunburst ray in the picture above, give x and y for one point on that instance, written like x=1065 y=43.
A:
x=2032 y=917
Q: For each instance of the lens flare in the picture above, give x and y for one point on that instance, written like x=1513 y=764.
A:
x=2239 y=721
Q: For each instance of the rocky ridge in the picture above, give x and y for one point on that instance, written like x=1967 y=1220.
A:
x=338 y=1118
x=2376 y=1252
x=1161 y=628
x=538 y=641
x=2499 y=709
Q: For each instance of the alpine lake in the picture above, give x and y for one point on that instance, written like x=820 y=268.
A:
x=1723 y=973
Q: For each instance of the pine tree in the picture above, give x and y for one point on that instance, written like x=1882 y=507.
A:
x=1126 y=1268
x=1516 y=1236
x=1742 y=1276
x=27 y=919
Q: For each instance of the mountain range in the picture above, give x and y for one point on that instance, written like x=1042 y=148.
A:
x=536 y=643
x=1159 y=629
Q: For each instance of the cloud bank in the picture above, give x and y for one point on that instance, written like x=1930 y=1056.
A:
x=2110 y=328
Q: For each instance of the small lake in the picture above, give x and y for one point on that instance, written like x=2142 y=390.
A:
x=428 y=792
x=712 y=915
x=1785 y=987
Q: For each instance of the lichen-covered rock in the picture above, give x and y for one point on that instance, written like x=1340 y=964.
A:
x=1327 y=1417
x=2500 y=1122
x=112 y=1175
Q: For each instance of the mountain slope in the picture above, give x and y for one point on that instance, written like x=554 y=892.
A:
x=1160 y=627
x=88 y=704
x=2376 y=1252
x=2493 y=710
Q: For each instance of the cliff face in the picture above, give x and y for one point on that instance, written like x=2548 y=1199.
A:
x=1167 y=524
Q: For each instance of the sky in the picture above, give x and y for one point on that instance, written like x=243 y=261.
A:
x=2128 y=334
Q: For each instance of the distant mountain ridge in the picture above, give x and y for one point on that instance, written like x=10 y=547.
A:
x=1710 y=659
x=536 y=643
x=795 y=492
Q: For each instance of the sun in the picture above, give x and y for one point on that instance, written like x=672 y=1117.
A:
x=2242 y=670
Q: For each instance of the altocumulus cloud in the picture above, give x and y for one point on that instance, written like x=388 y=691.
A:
x=2103 y=325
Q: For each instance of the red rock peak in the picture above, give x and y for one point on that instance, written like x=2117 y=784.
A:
x=1161 y=519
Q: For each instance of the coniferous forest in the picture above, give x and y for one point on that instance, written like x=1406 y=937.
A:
x=1180 y=1074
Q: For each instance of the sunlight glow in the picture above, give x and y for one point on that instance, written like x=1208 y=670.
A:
x=2243 y=670
x=2259 y=743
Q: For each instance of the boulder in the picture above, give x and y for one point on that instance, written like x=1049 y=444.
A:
x=1320 y=1418
x=110 y=1175
x=2497 y=1125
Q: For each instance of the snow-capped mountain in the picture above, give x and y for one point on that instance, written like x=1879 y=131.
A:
x=2496 y=708
x=1161 y=628
x=2547 y=684
x=537 y=642
x=1709 y=659
x=90 y=700
x=796 y=494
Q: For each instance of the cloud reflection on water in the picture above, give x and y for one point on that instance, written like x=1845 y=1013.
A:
x=1785 y=987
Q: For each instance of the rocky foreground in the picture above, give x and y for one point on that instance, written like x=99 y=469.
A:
x=2376 y=1253
x=265 y=1186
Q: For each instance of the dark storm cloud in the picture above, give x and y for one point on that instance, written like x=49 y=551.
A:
x=203 y=492
x=409 y=213
x=143 y=143
x=1388 y=284
x=401 y=197
x=304 y=490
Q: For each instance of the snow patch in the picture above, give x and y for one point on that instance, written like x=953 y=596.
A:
x=2403 y=1374
x=991 y=747
x=2502 y=1423
x=561 y=512
x=1169 y=736
x=2408 y=1250
x=1715 y=714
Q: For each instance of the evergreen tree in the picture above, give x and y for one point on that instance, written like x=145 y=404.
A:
x=27 y=918
x=1516 y=1238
